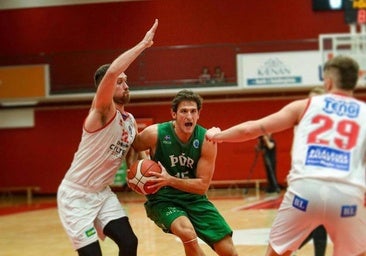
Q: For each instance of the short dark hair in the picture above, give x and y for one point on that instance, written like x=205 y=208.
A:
x=186 y=95
x=346 y=69
x=99 y=74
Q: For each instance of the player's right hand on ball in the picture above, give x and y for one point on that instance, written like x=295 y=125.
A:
x=162 y=179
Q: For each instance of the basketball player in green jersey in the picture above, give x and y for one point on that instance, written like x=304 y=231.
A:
x=180 y=205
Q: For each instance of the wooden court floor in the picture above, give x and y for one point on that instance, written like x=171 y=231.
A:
x=36 y=230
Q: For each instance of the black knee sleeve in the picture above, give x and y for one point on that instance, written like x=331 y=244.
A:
x=319 y=236
x=121 y=233
x=320 y=240
x=90 y=250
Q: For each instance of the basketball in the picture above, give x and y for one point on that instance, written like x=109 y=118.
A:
x=138 y=177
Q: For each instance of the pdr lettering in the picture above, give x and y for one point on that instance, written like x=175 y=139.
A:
x=182 y=160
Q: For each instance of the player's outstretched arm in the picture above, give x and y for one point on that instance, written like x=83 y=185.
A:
x=103 y=107
x=104 y=96
x=285 y=118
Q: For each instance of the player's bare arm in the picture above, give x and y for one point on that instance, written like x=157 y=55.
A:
x=146 y=139
x=103 y=107
x=105 y=92
x=285 y=118
x=206 y=164
x=133 y=155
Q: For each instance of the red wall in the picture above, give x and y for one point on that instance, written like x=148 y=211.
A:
x=182 y=22
x=76 y=39
x=41 y=155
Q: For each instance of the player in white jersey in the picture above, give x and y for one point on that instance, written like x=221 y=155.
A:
x=87 y=206
x=319 y=234
x=327 y=180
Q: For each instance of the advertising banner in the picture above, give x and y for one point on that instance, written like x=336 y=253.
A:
x=279 y=69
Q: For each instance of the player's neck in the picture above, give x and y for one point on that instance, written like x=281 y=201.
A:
x=183 y=137
x=348 y=93
x=120 y=108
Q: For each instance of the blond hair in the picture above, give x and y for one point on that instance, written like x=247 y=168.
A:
x=316 y=91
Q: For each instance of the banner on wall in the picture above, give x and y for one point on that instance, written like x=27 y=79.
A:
x=279 y=69
x=24 y=82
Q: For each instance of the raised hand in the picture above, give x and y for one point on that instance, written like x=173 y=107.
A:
x=148 y=39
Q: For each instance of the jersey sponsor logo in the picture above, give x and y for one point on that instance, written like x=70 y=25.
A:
x=171 y=210
x=131 y=130
x=348 y=210
x=124 y=136
x=341 y=107
x=327 y=157
x=119 y=149
x=300 y=203
x=167 y=139
x=196 y=143
x=90 y=232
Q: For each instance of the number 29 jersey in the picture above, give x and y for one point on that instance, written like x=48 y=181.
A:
x=330 y=141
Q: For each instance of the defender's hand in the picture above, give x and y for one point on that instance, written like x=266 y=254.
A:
x=148 y=39
x=210 y=134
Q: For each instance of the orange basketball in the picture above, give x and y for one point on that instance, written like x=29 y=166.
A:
x=138 y=177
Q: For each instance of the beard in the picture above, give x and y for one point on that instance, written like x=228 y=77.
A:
x=124 y=99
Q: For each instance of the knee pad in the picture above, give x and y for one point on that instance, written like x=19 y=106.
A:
x=92 y=249
x=120 y=231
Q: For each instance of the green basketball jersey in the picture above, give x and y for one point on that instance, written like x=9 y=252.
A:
x=179 y=159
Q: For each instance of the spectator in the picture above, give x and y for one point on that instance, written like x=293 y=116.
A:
x=218 y=76
x=316 y=91
x=267 y=146
x=205 y=76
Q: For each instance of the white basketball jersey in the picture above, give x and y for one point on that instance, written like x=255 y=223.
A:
x=330 y=141
x=100 y=153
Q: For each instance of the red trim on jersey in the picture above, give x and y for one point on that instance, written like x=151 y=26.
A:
x=101 y=128
x=306 y=108
x=340 y=94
